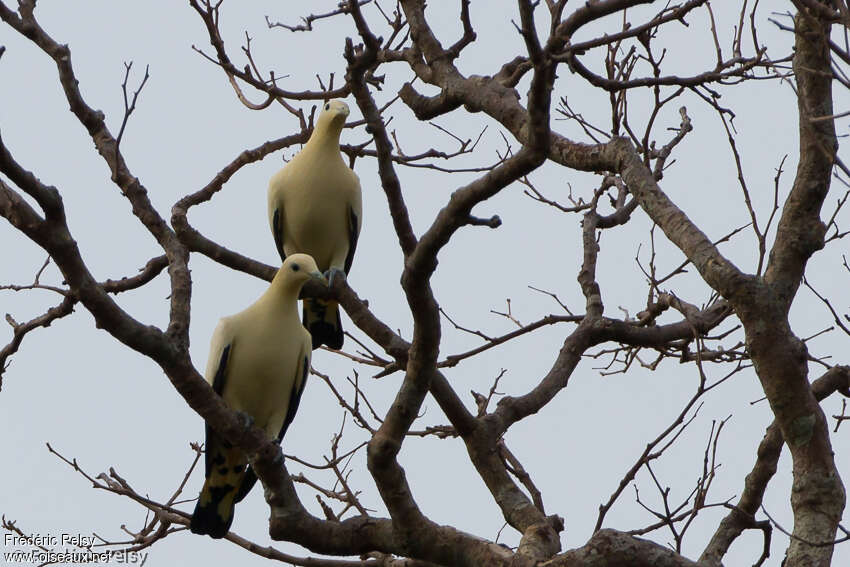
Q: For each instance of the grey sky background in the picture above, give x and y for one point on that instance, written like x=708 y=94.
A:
x=94 y=400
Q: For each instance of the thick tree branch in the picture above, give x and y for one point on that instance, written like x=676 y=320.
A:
x=47 y=197
x=610 y=548
x=762 y=304
x=93 y=120
x=107 y=146
x=389 y=180
x=780 y=358
x=742 y=516
x=667 y=15
x=590 y=12
x=409 y=522
x=800 y=232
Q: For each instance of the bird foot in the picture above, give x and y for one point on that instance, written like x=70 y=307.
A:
x=333 y=274
x=245 y=419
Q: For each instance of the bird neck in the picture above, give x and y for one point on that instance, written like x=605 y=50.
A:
x=325 y=139
x=282 y=297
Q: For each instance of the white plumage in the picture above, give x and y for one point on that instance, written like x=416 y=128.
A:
x=315 y=208
x=258 y=363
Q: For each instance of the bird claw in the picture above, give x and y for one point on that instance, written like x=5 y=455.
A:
x=245 y=419
x=333 y=273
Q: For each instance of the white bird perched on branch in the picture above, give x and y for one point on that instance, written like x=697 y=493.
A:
x=258 y=363
x=315 y=208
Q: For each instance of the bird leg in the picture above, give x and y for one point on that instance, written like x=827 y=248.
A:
x=333 y=273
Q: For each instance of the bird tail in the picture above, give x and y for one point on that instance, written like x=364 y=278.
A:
x=214 y=511
x=321 y=318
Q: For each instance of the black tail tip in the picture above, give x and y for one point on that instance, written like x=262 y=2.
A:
x=323 y=332
x=205 y=521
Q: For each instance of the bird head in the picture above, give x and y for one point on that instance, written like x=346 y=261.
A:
x=298 y=269
x=332 y=117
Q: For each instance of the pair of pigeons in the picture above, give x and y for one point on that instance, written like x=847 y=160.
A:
x=259 y=358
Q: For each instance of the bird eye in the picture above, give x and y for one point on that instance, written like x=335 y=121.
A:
x=327 y=106
x=295 y=267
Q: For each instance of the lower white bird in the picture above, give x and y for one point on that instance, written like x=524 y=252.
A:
x=258 y=363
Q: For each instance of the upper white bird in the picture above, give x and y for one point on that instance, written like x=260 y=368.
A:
x=315 y=207
x=258 y=363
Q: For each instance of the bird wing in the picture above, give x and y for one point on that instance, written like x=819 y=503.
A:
x=353 y=235
x=250 y=478
x=297 y=390
x=220 y=347
x=277 y=230
x=213 y=513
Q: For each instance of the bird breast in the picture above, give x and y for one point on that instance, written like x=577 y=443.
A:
x=264 y=365
x=316 y=209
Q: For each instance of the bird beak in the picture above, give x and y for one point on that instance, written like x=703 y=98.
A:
x=319 y=276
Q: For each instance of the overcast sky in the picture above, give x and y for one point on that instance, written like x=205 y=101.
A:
x=94 y=400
